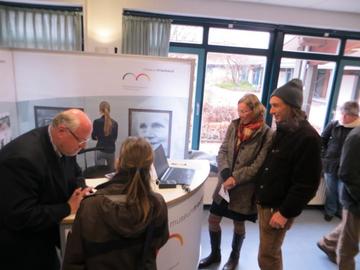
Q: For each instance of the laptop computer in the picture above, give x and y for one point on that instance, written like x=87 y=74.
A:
x=170 y=175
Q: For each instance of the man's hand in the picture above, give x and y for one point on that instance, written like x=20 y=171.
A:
x=77 y=197
x=278 y=221
x=229 y=183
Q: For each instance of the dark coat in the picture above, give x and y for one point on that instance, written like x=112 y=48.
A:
x=243 y=168
x=349 y=172
x=332 y=140
x=34 y=191
x=106 y=234
x=106 y=142
x=290 y=174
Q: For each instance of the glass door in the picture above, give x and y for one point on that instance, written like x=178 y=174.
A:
x=347 y=86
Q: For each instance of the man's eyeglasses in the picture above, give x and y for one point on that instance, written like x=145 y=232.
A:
x=80 y=141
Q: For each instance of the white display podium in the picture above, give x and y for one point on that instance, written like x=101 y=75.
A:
x=185 y=208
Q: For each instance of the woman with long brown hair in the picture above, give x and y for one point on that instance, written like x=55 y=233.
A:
x=124 y=223
x=105 y=132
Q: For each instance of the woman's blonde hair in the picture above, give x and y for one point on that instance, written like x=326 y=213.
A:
x=104 y=108
x=254 y=104
x=136 y=157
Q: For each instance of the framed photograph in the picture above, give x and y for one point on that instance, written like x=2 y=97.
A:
x=45 y=114
x=5 y=129
x=153 y=125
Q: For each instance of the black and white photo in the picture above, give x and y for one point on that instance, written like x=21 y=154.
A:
x=153 y=125
x=5 y=129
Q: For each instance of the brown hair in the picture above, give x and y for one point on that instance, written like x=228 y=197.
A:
x=296 y=115
x=136 y=157
x=104 y=108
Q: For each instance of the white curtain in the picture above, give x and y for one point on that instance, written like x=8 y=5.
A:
x=147 y=36
x=40 y=28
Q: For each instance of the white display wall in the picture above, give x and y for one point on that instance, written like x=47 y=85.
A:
x=54 y=79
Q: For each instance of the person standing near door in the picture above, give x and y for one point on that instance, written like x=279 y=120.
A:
x=341 y=245
x=332 y=139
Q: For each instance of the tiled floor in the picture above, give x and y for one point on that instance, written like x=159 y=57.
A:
x=299 y=249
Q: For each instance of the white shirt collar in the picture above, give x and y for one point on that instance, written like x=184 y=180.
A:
x=58 y=153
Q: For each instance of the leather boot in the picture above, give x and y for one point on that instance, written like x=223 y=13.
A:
x=215 y=255
x=235 y=253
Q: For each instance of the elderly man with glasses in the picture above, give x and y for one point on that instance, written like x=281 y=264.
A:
x=39 y=187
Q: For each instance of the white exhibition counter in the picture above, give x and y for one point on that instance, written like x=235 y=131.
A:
x=185 y=216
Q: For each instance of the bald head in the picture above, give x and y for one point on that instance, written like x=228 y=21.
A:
x=70 y=130
x=72 y=118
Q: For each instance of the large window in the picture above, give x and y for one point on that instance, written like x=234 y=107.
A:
x=349 y=86
x=239 y=38
x=246 y=57
x=228 y=77
x=311 y=44
x=186 y=34
x=317 y=77
x=352 y=48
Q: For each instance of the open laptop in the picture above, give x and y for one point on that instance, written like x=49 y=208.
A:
x=170 y=175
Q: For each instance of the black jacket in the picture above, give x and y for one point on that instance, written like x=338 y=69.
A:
x=349 y=172
x=35 y=187
x=106 y=142
x=290 y=174
x=332 y=140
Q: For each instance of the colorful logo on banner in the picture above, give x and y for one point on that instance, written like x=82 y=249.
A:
x=136 y=77
x=177 y=237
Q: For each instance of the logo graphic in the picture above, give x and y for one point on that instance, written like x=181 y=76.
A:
x=137 y=77
x=177 y=237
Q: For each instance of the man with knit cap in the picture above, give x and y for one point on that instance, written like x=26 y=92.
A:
x=290 y=175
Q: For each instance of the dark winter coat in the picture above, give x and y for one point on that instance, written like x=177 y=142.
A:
x=332 y=140
x=35 y=188
x=349 y=172
x=243 y=168
x=290 y=174
x=106 y=234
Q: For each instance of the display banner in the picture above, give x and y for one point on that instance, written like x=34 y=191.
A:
x=150 y=97
x=43 y=75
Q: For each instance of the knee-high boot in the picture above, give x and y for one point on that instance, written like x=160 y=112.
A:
x=215 y=255
x=235 y=253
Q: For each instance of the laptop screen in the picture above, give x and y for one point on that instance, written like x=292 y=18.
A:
x=160 y=161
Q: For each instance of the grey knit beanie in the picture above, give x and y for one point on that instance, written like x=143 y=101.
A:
x=291 y=93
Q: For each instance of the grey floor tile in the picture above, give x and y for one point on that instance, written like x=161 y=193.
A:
x=299 y=249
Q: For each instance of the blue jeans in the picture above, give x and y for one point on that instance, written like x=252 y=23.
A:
x=332 y=204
